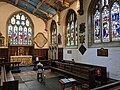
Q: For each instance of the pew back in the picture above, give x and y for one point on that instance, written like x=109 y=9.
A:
x=82 y=71
x=7 y=80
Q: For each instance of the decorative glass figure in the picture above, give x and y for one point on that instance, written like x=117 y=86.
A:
x=105 y=25
x=115 y=21
x=97 y=31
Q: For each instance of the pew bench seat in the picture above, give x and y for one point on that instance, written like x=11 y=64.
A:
x=7 y=80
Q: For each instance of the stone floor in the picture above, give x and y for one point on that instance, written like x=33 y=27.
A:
x=28 y=81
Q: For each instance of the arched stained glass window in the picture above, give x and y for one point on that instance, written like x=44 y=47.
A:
x=71 y=29
x=53 y=32
x=105 y=27
x=20 y=29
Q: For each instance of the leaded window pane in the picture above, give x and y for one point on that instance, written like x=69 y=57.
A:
x=97 y=31
x=20 y=30
x=13 y=20
x=105 y=25
x=15 y=36
x=18 y=16
x=71 y=30
x=10 y=33
x=20 y=33
x=76 y=32
x=115 y=22
x=54 y=32
x=25 y=35
x=29 y=35
x=106 y=20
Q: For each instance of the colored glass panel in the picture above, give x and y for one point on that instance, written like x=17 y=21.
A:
x=13 y=20
x=71 y=31
x=22 y=17
x=115 y=21
x=10 y=33
x=76 y=32
x=20 y=33
x=25 y=35
x=15 y=36
x=27 y=22
x=18 y=22
x=20 y=30
x=97 y=31
x=105 y=25
x=29 y=36
x=18 y=16
x=54 y=32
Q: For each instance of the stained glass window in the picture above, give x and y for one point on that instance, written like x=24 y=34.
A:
x=71 y=29
x=115 y=21
x=105 y=25
x=106 y=21
x=53 y=32
x=20 y=29
x=97 y=30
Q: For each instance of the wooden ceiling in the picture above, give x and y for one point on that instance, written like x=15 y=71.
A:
x=44 y=9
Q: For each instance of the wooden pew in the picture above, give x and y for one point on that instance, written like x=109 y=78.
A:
x=111 y=86
x=82 y=71
x=13 y=66
x=7 y=80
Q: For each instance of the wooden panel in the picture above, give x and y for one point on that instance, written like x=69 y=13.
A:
x=14 y=50
x=60 y=54
x=41 y=52
x=4 y=53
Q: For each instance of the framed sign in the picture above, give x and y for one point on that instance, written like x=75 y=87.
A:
x=69 y=51
x=102 y=52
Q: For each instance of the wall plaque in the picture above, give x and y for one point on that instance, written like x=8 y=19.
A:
x=102 y=52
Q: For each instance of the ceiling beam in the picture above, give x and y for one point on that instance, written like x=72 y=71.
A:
x=34 y=7
x=26 y=10
x=37 y=7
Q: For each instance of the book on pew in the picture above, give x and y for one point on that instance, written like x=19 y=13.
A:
x=71 y=79
x=65 y=80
